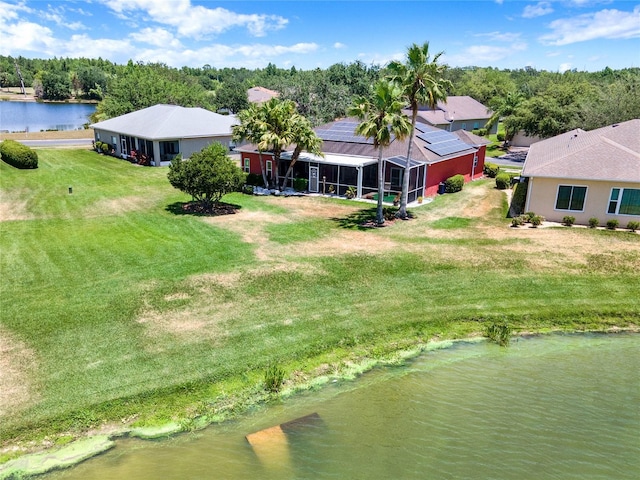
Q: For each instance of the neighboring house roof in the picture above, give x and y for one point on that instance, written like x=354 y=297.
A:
x=169 y=122
x=425 y=148
x=456 y=108
x=608 y=153
x=339 y=139
x=261 y=94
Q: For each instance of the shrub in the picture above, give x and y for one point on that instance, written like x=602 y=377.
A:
x=517 y=221
x=98 y=146
x=490 y=169
x=503 y=181
x=568 y=220
x=104 y=147
x=593 y=222
x=612 y=224
x=454 y=184
x=536 y=220
x=633 y=225
x=482 y=132
x=273 y=378
x=500 y=137
x=255 y=180
x=18 y=155
x=351 y=192
x=518 y=198
x=300 y=184
x=529 y=216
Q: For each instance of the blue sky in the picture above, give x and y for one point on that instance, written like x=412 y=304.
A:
x=554 y=35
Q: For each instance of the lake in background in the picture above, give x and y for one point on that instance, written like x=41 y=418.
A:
x=550 y=407
x=34 y=116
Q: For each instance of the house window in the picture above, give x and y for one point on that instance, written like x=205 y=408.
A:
x=464 y=126
x=624 y=201
x=246 y=166
x=114 y=142
x=476 y=125
x=571 y=197
x=269 y=168
x=97 y=135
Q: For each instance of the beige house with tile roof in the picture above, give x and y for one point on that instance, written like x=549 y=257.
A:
x=586 y=174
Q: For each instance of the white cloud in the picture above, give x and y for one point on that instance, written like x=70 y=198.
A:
x=564 y=67
x=339 y=45
x=156 y=36
x=500 y=36
x=377 y=59
x=196 y=21
x=608 y=24
x=538 y=10
x=477 y=54
x=84 y=46
x=25 y=36
x=219 y=55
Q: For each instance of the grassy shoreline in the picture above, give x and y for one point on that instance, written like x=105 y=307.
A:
x=120 y=310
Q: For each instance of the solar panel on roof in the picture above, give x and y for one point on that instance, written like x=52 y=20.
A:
x=447 y=148
x=422 y=127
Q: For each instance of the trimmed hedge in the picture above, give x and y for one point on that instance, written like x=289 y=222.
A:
x=454 y=184
x=18 y=155
x=491 y=170
x=518 y=198
x=503 y=181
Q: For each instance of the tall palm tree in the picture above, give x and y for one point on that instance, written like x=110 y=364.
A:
x=381 y=117
x=251 y=128
x=422 y=82
x=277 y=132
x=305 y=139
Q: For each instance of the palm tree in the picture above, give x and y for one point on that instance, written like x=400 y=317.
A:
x=277 y=132
x=506 y=108
x=422 y=82
x=305 y=139
x=251 y=128
x=381 y=116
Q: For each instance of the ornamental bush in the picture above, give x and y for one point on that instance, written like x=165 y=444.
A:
x=503 y=180
x=593 y=222
x=490 y=169
x=18 y=155
x=300 y=184
x=633 y=225
x=612 y=224
x=454 y=184
x=568 y=220
x=500 y=137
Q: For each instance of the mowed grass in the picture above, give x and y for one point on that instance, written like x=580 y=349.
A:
x=126 y=308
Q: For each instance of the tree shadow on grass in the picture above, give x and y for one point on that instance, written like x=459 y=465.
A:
x=365 y=219
x=196 y=209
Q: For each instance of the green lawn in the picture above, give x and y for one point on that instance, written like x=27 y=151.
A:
x=122 y=307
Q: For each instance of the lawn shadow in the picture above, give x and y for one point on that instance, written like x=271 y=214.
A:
x=195 y=209
x=365 y=219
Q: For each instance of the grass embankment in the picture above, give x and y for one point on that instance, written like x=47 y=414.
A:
x=117 y=308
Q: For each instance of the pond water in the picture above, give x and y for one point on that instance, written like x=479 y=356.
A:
x=556 y=407
x=34 y=116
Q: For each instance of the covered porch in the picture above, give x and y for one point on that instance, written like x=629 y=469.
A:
x=335 y=174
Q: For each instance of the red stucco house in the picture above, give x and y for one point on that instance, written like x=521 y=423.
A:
x=351 y=161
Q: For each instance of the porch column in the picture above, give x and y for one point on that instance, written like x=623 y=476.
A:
x=156 y=153
x=359 y=189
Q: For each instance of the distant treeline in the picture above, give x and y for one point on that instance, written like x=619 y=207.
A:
x=537 y=101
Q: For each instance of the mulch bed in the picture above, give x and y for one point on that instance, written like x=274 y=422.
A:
x=196 y=208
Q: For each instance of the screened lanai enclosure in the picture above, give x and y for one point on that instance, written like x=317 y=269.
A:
x=334 y=174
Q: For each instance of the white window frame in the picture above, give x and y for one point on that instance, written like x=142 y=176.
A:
x=619 y=201
x=246 y=165
x=270 y=169
x=555 y=203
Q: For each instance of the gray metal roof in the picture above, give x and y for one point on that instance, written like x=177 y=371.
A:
x=608 y=153
x=162 y=122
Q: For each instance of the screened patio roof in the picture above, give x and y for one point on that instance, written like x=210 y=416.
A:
x=333 y=159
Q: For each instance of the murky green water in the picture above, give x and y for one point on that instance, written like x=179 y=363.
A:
x=558 y=407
